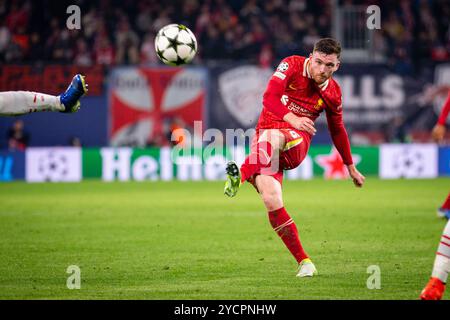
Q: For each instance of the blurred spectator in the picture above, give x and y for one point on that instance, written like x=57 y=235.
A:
x=5 y=38
x=127 y=43
x=162 y=19
x=22 y=39
x=62 y=48
x=18 y=16
x=310 y=39
x=121 y=32
x=104 y=51
x=17 y=137
x=36 y=51
x=266 y=56
x=144 y=19
x=178 y=130
x=82 y=54
x=173 y=132
x=75 y=142
x=148 y=50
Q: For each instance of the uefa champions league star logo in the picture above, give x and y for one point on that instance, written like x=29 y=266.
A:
x=409 y=163
x=283 y=67
x=53 y=166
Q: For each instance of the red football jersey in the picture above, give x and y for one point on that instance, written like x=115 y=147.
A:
x=291 y=89
x=445 y=111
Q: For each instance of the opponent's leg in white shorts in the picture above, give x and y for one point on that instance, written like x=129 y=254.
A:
x=14 y=103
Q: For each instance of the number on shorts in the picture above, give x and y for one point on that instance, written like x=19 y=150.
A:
x=294 y=134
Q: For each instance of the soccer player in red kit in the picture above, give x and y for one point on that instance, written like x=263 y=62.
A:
x=434 y=290
x=438 y=134
x=299 y=90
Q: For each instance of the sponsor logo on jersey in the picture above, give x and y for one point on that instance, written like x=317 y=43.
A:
x=300 y=110
x=280 y=75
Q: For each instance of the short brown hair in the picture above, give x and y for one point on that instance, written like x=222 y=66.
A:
x=328 y=46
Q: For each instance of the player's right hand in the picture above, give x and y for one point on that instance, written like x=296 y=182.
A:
x=301 y=123
x=357 y=177
x=438 y=132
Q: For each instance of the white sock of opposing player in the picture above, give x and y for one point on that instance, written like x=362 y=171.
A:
x=442 y=262
x=21 y=102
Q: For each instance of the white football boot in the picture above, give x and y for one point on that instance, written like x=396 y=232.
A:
x=306 y=269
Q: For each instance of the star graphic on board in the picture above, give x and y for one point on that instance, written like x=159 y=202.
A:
x=333 y=166
x=409 y=163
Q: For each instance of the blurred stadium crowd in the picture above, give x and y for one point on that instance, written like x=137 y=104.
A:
x=122 y=32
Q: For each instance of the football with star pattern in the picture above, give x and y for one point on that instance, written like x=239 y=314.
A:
x=175 y=45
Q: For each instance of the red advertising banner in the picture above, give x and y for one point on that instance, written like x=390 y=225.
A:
x=50 y=79
x=146 y=104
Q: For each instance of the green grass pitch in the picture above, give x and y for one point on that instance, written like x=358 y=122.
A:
x=178 y=240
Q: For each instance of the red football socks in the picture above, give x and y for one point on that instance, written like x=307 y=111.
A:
x=446 y=204
x=259 y=158
x=286 y=229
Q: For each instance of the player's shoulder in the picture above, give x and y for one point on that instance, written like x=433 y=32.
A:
x=295 y=58
x=333 y=93
x=289 y=66
x=335 y=87
x=291 y=62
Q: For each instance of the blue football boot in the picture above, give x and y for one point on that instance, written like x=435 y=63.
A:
x=70 y=99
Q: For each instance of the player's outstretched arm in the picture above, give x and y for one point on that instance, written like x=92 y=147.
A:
x=358 y=178
x=439 y=129
x=340 y=139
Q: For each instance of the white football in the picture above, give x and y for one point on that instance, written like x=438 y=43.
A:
x=175 y=44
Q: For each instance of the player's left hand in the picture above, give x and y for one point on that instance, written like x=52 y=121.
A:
x=438 y=132
x=358 y=178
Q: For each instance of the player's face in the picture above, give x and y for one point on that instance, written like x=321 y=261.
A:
x=323 y=66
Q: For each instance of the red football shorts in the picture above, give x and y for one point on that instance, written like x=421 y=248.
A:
x=295 y=150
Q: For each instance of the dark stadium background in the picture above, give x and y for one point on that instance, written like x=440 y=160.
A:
x=413 y=40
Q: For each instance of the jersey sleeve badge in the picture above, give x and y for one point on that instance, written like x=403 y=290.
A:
x=281 y=69
x=283 y=66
